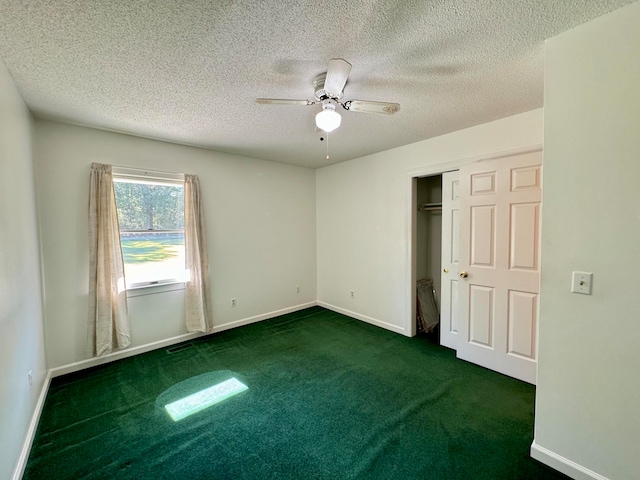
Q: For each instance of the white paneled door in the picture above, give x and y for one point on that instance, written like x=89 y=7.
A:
x=449 y=312
x=499 y=269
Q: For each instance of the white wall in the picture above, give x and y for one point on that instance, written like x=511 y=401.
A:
x=260 y=219
x=362 y=217
x=21 y=327
x=588 y=392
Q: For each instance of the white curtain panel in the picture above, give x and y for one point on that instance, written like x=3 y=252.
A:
x=199 y=316
x=108 y=325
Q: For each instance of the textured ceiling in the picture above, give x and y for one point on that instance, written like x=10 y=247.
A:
x=189 y=71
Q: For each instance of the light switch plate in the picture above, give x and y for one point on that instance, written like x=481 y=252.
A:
x=581 y=282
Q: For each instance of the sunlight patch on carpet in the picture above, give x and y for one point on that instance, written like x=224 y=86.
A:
x=204 y=399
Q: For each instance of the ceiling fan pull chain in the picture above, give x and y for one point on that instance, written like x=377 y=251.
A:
x=327 y=145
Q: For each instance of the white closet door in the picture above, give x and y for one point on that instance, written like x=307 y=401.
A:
x=449 y=312
x=499 y=273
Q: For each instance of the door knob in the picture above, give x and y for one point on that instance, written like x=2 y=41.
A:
x=446 y=270
x=464 y=274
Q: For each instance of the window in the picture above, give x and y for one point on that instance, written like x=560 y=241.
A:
x=151 y=219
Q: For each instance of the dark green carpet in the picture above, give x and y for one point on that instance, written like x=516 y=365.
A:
x=329 y=397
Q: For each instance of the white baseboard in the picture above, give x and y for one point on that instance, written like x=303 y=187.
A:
x=364 y=318
x=33 y=427
x=130 y=352
x=264 y=316
x=562 y=464
x=120 y=354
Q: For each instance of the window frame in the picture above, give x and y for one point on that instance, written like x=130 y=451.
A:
x=148 y=177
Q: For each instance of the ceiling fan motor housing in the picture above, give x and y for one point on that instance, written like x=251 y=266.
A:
x=319 y=92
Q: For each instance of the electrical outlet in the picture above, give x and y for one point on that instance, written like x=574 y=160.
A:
x=30 y=377
x=352 y=294
x=297 y=288
x=233 y=302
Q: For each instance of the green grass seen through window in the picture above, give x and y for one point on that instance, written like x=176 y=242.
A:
x=142 y=249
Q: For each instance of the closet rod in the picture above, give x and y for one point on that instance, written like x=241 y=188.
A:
x=429 y=206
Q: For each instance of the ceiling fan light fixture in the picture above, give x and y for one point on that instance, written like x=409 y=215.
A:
x=328 y=119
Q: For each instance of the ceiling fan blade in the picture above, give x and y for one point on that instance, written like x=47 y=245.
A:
x=366 y=106
x=336 y=78
x=283 y=101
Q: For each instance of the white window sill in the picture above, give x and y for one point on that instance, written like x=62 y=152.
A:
x=141 y=290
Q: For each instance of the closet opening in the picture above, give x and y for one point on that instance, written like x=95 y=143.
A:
x=428 y=256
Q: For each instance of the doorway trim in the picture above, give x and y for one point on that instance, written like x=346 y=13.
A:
x=411 y=206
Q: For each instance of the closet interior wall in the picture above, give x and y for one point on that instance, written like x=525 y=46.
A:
x=429 y=232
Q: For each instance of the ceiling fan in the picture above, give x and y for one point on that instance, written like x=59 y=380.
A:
x=328 y=90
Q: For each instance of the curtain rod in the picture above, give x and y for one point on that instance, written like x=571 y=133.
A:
x=147 y=172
